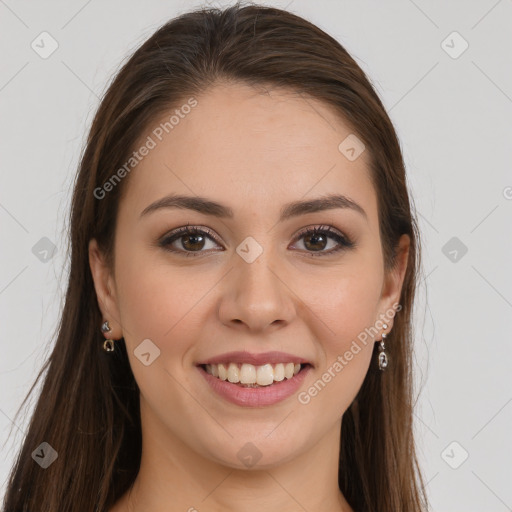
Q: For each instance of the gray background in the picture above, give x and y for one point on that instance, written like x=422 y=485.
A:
x=453 y=117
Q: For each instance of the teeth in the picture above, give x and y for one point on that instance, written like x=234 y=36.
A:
x=253 y=376
x=221 y=369
x=247 y=374
x=288 y=370
x=264 y=374
x=279 y=372
x=233 y=373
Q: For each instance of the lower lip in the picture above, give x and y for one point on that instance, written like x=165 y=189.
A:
x=255 y=397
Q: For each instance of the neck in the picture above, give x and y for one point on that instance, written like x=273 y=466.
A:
x=174 y=477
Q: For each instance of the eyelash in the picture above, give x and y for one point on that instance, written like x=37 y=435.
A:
x=343 y=241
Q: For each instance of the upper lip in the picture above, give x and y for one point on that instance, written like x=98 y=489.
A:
x=254 y=359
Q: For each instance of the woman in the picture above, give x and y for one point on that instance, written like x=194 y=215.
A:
x=237 y=328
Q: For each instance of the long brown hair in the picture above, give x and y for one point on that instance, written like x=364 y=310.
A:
x=88 y=408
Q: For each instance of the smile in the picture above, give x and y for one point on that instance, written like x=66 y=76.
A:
x=249 y=375
x=254 y=394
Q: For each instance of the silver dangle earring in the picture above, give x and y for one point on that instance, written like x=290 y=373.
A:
x=108 y=345
x=383 y=357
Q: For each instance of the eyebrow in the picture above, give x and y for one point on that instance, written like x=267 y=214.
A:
x=294 y=209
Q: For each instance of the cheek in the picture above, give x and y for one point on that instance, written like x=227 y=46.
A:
x=162 y=300
x=345 y=312
x=345 y=301
x=159 y=302
x=150 y=297
x=352 y=306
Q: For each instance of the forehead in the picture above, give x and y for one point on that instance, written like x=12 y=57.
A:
x=253 y=150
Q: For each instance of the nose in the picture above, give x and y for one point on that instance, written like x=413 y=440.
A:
x=256 y=297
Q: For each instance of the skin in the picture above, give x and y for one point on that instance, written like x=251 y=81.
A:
x=253 y=152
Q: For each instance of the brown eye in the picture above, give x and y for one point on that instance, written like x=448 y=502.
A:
x=192 y=242
x=317 y=239
x=187 y=240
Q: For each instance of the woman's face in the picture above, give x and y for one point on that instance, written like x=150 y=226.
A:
x=252 y=282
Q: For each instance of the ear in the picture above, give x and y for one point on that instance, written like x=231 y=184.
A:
x=393 y=280
x=104 y=285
